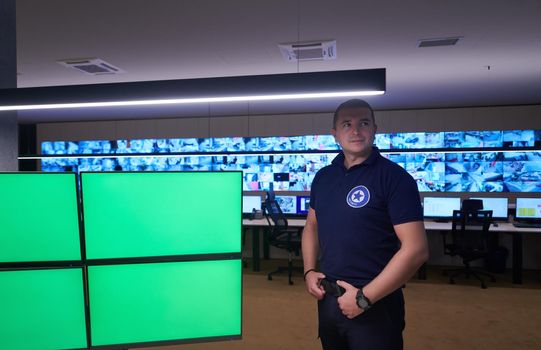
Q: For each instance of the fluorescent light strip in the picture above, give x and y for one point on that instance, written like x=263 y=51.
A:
x=194 y=100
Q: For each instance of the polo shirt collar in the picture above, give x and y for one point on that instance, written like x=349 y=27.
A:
x=372 y=158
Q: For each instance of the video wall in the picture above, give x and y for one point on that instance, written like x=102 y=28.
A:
x=130 y=262
x=458 y=161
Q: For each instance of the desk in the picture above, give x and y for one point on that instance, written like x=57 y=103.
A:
x=504 y=227
x=258 y=225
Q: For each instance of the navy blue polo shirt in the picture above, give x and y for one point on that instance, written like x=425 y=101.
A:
x=356 y=209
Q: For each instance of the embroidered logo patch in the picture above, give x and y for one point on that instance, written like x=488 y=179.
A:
x=358 y=197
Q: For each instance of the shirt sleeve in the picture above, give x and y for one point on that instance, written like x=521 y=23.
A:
x=404 y=201
x=313 y=191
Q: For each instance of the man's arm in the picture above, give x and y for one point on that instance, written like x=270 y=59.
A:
x=310 y=251
x=412 y=254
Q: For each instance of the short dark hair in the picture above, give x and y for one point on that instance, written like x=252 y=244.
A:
x=353 y=103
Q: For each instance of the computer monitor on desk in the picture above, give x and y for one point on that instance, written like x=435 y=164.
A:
x=250 y=204
x=498 y=205
x=303 y=205
x=528 y=212
x=294 y=206
x=440 y=208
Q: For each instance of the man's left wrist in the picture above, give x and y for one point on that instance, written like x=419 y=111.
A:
x=362 y=301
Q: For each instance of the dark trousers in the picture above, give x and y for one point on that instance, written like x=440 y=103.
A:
x=379 y=328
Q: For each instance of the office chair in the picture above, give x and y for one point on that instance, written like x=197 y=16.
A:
x=281 y=236
x=471 y=240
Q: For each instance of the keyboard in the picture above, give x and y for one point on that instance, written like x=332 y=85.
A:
x=527 y=224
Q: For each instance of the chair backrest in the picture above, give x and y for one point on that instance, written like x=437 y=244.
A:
x=470 y=231
x=472 y=204
x=274 y=213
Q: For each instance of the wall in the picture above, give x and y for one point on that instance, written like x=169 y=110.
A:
x=8 y=79
x=445 y=119
x=8 y=141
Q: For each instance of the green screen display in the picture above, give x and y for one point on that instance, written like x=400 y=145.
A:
x=38 y=217
x=42 y=309
x=158 y=214
x=153 y=302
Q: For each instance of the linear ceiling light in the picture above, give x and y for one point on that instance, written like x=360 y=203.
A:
x=314 y=85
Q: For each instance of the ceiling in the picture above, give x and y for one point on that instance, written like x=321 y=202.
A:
x=497 y=61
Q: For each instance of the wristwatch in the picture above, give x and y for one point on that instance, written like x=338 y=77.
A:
x=362 y=301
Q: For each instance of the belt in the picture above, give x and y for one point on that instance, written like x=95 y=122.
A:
x=331 y=288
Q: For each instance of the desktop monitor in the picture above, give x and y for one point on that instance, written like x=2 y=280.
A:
x=303 y=205
x=528 y=209
x=147 y=304
x=499 y=206
x=250 y=203
x=288 y=204
x=39 y=217
x=153 y=214
x=440 y=207
x=42 y=309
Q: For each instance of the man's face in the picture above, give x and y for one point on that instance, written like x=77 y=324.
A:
x=355 y=131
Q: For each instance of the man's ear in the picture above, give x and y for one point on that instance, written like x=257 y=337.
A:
x=375 y=128
x=333 y=132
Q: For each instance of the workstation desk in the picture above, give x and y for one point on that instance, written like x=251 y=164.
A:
x=257 y=226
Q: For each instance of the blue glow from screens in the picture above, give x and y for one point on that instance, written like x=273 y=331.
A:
x=489 y=170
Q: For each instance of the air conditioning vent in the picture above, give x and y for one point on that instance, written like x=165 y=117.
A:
x=309 y=51
x=439 y=42
x=91 y=66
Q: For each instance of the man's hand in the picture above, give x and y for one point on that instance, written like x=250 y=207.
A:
x=313 y=284
x=348 y=301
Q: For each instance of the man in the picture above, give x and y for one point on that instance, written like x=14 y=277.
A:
x=366 y=224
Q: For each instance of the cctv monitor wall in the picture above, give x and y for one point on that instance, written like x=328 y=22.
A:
x=440 y=207
x=146 y=214
x=499 y=206
x=38 y=217
x=141 y=291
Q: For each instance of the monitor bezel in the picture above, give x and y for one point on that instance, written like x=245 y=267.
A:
x=440 y=217
x=536 y=220
x=496 y=218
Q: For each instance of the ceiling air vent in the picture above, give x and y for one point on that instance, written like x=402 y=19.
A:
x=91 y=66
x=439 y=42
x=309 y=51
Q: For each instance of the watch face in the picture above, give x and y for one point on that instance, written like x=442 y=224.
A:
x=361 y=302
